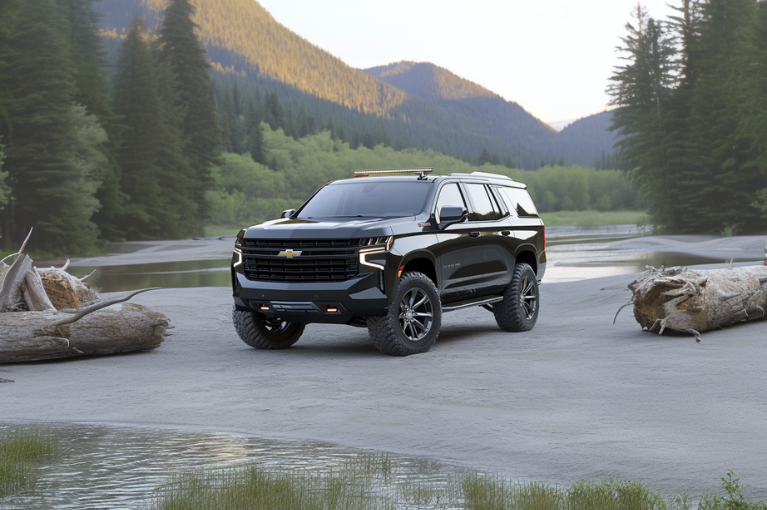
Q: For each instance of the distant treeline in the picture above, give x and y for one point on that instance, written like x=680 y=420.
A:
x=83 y=167
x=693 y=110
x=249 y=191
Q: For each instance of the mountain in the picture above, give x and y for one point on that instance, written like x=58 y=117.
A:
x=416 y=104
x=427 y=81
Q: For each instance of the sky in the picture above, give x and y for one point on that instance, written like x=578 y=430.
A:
x=553 y=57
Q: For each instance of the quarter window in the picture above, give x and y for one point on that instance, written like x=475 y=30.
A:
x=519 y=200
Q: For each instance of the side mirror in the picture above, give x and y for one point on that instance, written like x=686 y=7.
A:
x=452 y=214
x=287 y=213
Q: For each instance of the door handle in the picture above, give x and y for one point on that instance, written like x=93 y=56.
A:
x=474 y=234
x=506 y=232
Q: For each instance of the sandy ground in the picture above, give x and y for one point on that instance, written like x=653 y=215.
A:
x=577 y=397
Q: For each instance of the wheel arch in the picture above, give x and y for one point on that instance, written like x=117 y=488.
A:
x=422 y=263
x=527 y=255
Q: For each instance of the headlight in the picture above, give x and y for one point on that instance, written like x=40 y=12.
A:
x=377 y=245
x=238 y=242
x=375 y=241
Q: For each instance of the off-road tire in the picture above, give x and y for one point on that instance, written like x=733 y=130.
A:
x=256 y=331
x=521 y=301
x=397 y=332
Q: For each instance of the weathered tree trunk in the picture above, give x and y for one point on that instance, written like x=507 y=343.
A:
x=693 y=301
x=66 y=291
x=33 y=336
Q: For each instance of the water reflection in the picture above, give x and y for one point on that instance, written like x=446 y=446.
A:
x=196 y=273
x=580 y=261
x=102 y=467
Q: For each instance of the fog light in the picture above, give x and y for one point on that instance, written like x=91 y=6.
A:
x=263 y=308
x=331 y=309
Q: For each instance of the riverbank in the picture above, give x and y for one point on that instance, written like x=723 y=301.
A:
x=577 y=397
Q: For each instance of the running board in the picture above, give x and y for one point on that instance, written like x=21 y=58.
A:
x=480 y=302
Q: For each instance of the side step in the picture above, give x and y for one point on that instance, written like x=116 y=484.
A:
x=479 y=302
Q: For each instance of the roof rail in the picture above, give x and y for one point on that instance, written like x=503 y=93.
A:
x=486 y=174
x=421 y=171
x=482 y=174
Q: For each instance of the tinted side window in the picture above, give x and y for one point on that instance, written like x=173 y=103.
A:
x=519 y=200
x=450 y=195
x=501 y=208
x=482 y=205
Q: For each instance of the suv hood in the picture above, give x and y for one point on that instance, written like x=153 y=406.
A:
x=328 y=228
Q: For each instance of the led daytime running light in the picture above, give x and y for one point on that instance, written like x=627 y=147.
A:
x=378 y=249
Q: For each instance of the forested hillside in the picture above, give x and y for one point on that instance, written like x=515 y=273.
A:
x=427 y=81
x=405 y=102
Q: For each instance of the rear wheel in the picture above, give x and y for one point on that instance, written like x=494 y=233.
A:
x=519 y=309
x=412 y=323
x=261 y=332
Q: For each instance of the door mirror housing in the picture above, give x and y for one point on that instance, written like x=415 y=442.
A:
x=287 y=213
x=449 y=215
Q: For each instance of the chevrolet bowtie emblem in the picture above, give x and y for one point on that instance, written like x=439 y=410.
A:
x=289 y=254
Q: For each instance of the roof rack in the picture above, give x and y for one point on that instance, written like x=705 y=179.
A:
x=421 y=171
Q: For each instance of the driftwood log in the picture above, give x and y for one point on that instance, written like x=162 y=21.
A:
x=693 y=301
x=49 y=313
x=107 y=327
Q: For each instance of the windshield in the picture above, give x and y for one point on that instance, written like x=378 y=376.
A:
x=368 y=199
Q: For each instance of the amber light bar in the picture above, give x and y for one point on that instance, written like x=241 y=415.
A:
x=365 y=173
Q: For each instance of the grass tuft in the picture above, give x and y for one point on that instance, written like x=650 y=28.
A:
x=20 y=451
x=377 y=482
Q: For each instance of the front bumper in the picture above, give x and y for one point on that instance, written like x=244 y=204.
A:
x=341 y=302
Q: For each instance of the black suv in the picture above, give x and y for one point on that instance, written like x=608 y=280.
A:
x=391 y=253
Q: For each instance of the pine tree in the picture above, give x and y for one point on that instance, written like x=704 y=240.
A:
x=47 y=134
x=228 y=120
x=642 y=89
x=186 y=59
x=91 y=91
x=182 y=218
x=724 y=111
x=136 y=100
x=484 y=157
x=275 y=115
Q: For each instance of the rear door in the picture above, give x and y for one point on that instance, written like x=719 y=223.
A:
x=491 y=221
x=460 y=250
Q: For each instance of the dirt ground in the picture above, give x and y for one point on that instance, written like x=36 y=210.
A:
x=577 y=397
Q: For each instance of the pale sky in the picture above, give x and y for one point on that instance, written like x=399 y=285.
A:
x=553 y=57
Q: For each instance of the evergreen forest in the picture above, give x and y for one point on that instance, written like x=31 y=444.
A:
x=692 y=100
x=83 y=165
x=141 y=136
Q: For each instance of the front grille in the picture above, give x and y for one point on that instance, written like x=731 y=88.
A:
x=320 y=260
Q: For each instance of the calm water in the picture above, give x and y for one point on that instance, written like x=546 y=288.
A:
x=196 y=273
x=115 y=468
x=573 y=254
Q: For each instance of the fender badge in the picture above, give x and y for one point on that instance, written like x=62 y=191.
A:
x=289 y=254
